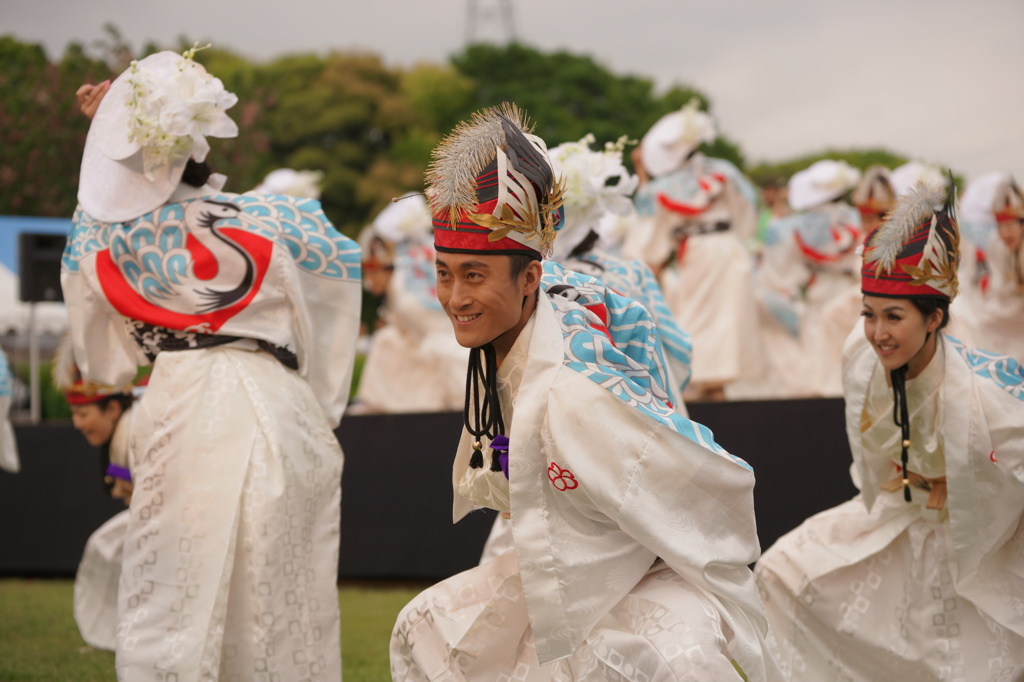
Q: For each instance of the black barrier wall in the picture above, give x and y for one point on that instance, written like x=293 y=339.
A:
x=396 y=489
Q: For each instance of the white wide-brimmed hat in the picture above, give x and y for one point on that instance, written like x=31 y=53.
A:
x=670 y=141
x=304 y=184
x=820 y=183
x=156 y=115
x=407 y=219
x=906 y=177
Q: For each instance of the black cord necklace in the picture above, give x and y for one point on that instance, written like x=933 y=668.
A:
x=900 y=415
x=484 y=419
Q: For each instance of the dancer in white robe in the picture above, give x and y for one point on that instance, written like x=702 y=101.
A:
x=8 y=445
x=104 y=416
x=248 y=306
x=918 y=577
x=413 y=363
x=873 y=197
x=993 y=305
x=702 y=215
x=808 y=262
x=632 y=529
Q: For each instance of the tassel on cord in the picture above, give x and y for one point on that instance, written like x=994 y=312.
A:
x=484 y=419
x=900 y=415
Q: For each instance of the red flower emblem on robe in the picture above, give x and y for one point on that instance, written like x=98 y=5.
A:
x=561 y=478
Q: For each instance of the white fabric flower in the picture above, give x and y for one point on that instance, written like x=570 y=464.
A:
x=596 y=183
x=170 y=117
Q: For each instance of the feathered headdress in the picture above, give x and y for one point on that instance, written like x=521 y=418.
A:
x=916 y=251
x=492 y=189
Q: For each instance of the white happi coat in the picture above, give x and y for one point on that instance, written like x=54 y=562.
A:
x=604 y=479
x=881 y=587
x=231 y=552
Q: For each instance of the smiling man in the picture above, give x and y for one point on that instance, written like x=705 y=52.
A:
x=632 y=528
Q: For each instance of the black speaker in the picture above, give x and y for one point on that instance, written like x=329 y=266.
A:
x=39 y=257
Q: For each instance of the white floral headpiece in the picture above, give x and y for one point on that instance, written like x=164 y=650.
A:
x=169 y=118
x=588 y=196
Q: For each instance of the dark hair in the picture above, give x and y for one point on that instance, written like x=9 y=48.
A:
x=586 y=245
x=927 y=306
x=518 y=262
x=125 y=400
x=196 y=174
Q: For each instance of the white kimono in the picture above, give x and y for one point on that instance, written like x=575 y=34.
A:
x=708 y=286
x=8 y=446
x=808 y=288
x=99 y=571
x=414 y=363
x=632 y=528
x=231 y=554
x=878 y=588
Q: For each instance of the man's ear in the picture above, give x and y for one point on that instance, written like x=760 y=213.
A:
x=533 y=273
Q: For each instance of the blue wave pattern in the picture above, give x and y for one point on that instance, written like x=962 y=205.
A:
x=151 y=250
x=635 y=280
x=5 y=377
x=629 y=369
x=1002 y=370
x=629 y=323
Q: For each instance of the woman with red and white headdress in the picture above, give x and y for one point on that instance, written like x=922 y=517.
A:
x=921 y=575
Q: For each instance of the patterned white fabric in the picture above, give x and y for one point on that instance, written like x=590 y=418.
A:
x=231 y=553
x=595 y=500
x=877 y=588
x=99 y=571
x=96 y=581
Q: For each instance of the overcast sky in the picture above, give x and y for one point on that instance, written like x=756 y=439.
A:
x=937 y=80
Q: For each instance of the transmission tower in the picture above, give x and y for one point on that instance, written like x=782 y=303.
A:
x=486 y=19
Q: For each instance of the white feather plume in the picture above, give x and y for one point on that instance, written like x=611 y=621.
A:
x=913 y=209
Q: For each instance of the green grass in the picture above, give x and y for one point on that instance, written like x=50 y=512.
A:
x=39 y=639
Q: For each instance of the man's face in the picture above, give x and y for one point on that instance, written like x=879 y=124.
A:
x=481 y=298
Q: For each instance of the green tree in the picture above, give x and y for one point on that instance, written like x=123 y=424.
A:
x=569 y=95
x=781 y=171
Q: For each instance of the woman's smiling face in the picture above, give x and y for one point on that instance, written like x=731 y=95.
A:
x=899 y=332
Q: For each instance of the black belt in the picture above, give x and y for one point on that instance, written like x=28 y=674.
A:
x=153 y=339
x=693 y=229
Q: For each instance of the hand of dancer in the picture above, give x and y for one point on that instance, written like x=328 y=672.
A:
x=89 y=97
